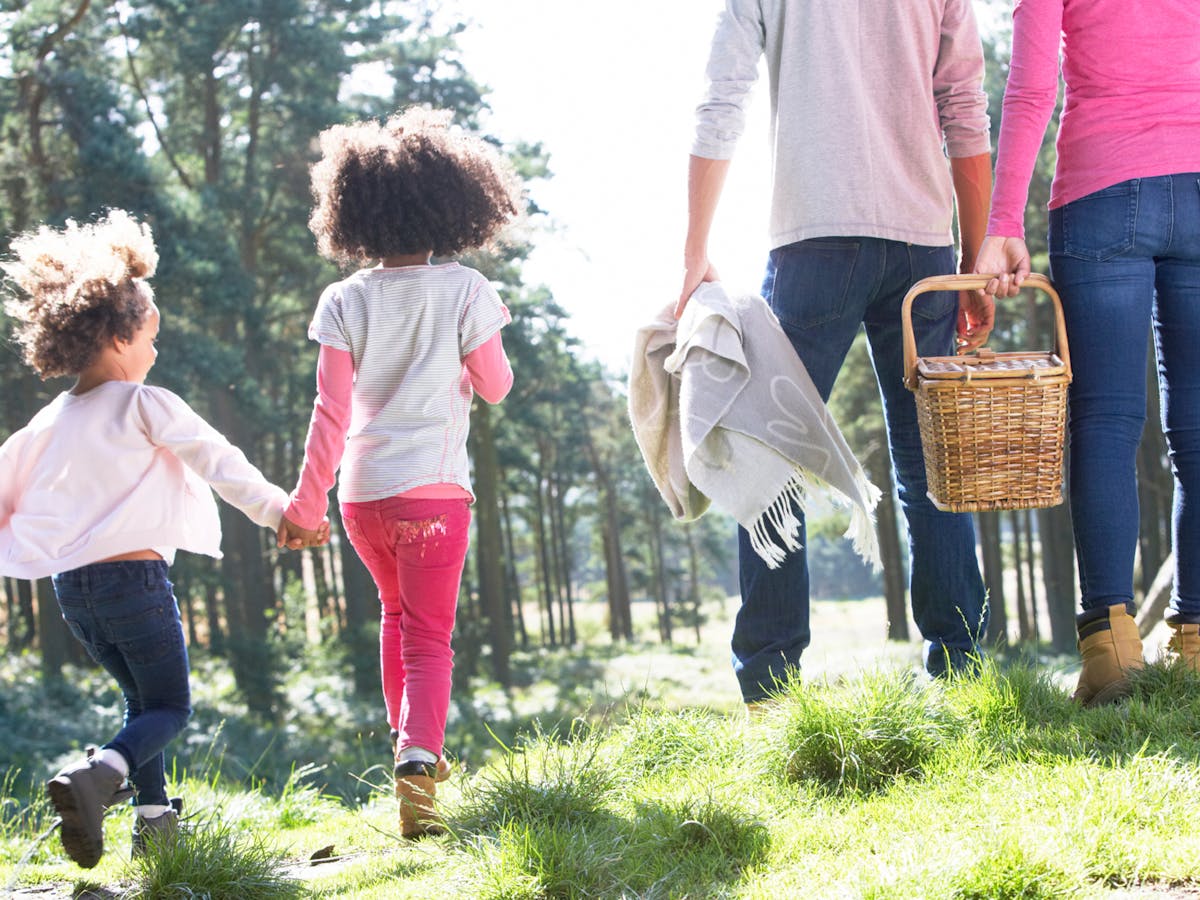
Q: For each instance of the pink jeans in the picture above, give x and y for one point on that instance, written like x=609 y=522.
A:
x=414 y=550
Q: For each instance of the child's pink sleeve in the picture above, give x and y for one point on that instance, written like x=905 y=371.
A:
x=491 y=374
x=326 y=441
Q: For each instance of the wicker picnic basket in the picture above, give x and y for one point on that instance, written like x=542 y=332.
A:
x=991 y=423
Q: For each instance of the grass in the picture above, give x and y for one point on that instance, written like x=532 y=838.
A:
x=869 y=783
x=213 y=859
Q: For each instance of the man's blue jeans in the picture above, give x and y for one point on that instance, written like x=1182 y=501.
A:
x=1126 y=259
x=822 y=290
x=125 y=614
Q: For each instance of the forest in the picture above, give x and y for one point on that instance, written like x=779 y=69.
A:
x=200 y=118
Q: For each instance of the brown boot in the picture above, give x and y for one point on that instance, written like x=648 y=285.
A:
x=1111 y=648
x=1183 y=647
x=157 y=830
x=415 y=789
x=81 y=794
x=443 y=765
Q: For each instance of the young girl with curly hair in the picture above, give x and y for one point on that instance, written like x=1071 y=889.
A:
x=405 y=344
x=100 y=489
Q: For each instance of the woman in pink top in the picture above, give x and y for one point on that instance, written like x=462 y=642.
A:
x=404 y=347
x=1125 y=256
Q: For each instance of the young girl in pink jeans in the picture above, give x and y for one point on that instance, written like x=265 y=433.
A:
x=404 y=346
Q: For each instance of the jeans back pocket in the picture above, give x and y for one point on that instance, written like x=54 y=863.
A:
x=810 y=280
x=1099 y=226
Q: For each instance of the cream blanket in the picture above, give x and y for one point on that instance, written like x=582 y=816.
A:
x=724 y=412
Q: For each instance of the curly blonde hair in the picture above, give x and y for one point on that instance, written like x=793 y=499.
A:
x=412 y=185
x=82 y=286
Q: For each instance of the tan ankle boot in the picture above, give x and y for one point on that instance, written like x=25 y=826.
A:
x=1111 y=648
x=415 y=790
x=1183 y=646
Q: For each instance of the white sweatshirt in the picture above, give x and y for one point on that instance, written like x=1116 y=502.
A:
x=867 y=99
x=123 y=467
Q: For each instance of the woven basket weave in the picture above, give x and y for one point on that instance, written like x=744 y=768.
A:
x=991 y=423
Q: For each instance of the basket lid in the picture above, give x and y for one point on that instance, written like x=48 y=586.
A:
x=989 y=364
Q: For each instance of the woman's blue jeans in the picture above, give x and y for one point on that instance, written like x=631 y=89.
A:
x=823 y=290
x=125 y=614
x=1126 y=260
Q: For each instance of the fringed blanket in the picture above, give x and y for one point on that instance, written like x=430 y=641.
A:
x=724 y=412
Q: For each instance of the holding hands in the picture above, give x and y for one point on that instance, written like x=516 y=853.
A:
x=291 y=536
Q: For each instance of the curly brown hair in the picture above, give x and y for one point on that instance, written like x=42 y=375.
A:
x=82 y=286
x=412 y=185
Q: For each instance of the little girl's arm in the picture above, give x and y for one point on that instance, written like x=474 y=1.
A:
x=173 y=425
x=326 y=441
x=488 y=366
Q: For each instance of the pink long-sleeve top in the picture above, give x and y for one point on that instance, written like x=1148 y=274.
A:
x=1131 y=106
x=491 y=378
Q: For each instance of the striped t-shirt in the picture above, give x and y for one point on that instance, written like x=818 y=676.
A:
x=407 y=330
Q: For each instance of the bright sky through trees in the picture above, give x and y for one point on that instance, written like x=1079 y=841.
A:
x=610 y=89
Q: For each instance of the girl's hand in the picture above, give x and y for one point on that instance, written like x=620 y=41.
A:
x=292 y=537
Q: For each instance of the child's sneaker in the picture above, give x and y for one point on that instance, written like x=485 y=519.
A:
x=81 y=793
x=157 y=829
x=415 y=789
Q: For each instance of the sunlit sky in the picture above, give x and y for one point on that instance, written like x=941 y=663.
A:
x=610 y=90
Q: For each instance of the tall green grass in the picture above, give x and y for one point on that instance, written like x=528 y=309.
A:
x=883 y=785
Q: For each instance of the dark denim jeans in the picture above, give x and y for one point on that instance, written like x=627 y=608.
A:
x=1126 y=259
x=125 y=614
x=822 y=290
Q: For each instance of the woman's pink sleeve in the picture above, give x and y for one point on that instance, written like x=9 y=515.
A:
x=488 y=366
x=1029 y=100
x=326 y=439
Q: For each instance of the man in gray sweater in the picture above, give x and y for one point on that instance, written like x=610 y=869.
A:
x=868 y=98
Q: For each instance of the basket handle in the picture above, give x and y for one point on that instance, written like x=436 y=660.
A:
x=972 y=283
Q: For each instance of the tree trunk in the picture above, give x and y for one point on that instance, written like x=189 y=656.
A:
x=1019 y=570
x=1158 y=597
x=543 y=552
x=891 y=555
x=1058 y=569
x=212 y=612
x=26 y=626
x=53 y=636
x=1031 y=565
x=489 y=557
x=694 y=579
x=659 y=576
x=620 y=618
x=566 y=591
x=517 y=612
x=993 y=562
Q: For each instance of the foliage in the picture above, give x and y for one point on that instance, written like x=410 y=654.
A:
x=1015 y=792
x=213 y=859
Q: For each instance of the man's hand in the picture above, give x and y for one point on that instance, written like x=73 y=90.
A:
x=696 y=271
x=291 y=536
x=1007 y=258
x=976 y=316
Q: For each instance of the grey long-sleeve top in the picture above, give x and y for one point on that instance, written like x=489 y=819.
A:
x=868 y=97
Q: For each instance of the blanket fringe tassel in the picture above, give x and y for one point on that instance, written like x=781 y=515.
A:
x=776 y=532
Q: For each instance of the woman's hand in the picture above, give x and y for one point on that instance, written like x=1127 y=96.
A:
x=1007 y=258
